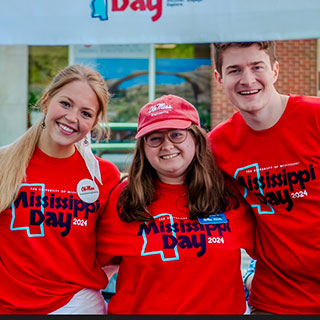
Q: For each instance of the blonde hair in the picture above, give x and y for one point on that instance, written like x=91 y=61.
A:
x=14 y=158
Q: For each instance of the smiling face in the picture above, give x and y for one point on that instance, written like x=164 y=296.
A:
x=248 y=78
x=170 y=159
x=70 y=114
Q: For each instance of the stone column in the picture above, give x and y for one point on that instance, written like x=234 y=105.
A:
x=13 y=92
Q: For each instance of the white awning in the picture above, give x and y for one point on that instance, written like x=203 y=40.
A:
x=65 y=22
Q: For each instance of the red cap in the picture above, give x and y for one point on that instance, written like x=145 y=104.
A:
x=166 y=112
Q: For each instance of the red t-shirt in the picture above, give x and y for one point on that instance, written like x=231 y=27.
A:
x=278 y=172
x=175 y=265
x=48 y=238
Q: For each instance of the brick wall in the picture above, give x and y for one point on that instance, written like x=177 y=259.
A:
x=297 y=74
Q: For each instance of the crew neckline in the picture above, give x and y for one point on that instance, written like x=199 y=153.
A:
x=171 y=187
x=43 y=155
x=277 y=126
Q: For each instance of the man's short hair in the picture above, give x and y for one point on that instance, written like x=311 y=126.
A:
x=220 y=47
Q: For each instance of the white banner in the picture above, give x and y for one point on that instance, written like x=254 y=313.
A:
x=65 y=22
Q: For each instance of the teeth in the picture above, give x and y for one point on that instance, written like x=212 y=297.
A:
x=65 y=128
x=249 y=92
x=170 y=156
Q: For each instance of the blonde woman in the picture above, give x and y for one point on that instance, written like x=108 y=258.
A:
x=53 y=192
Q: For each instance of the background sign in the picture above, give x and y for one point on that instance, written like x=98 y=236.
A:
x=64 y=22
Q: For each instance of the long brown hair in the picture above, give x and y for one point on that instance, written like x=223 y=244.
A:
x=207 y=193
x=14 y=158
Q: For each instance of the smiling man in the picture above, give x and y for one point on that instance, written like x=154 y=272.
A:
x=271 y=149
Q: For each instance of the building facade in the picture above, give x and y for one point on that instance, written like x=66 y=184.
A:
x=298 y=60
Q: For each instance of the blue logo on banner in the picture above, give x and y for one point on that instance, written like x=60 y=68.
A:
x=99 y=9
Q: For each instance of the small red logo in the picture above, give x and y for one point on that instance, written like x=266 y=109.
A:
x=87 y=188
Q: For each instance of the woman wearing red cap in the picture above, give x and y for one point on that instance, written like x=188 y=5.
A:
x=176 y=227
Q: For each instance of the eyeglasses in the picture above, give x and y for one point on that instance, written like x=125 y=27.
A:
x=155 y=139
